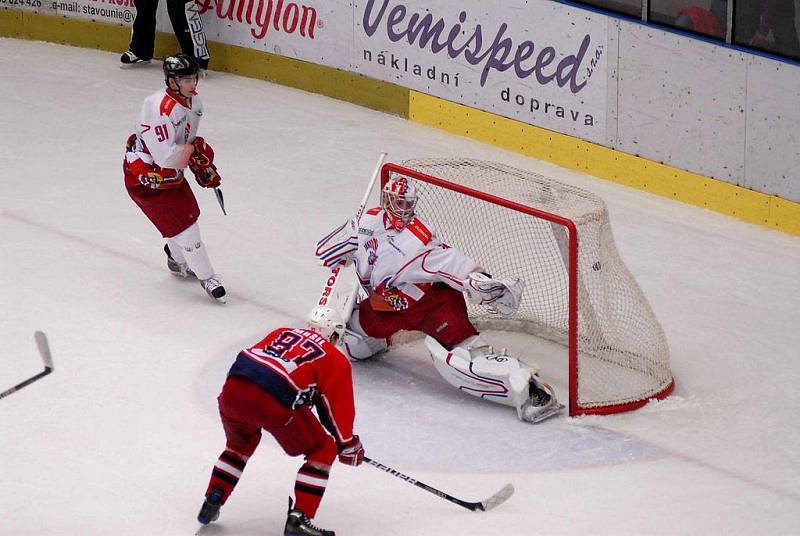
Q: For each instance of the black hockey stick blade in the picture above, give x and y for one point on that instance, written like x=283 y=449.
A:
x=482 y=506
x=220 y=200
x=47 y=358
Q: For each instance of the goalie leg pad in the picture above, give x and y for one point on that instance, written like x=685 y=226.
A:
x=486 y=376
x=359 y=346
x=499 y=378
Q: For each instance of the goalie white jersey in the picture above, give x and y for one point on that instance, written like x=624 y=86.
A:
x=402 y=265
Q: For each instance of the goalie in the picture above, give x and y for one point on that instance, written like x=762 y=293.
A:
x=416 y=282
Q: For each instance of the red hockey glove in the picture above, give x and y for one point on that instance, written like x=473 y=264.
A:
x=207 y=177
x=351 y=452
x=202 y=164
x=202 y=157
x=131 y=142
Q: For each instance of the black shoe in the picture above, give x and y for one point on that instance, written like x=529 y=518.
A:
x=129 y=59
x=298 y=524
x=210 y=510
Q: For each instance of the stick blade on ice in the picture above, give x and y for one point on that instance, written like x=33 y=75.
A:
x=498 y=498
x=44 y=349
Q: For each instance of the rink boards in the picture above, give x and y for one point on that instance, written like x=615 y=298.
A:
x=434 y=102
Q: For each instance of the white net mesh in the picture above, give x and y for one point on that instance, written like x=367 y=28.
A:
x=622 y=353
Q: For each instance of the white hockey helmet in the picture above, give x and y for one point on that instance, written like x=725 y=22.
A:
x=326 y=321
x=399 y=199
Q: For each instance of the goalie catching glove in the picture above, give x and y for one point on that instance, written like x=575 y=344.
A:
x=202 y=164
x=501 y=295
x=351 y=452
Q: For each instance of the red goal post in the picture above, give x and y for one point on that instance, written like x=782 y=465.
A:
x=578 y=292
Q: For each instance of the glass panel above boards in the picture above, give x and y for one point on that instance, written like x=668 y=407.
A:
x=703 y=17
x=768 y=25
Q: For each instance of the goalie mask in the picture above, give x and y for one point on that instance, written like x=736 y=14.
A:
x=326 y=321
x=398 y=199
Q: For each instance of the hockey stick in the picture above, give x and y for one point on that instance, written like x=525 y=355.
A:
x=47 y=358
x=375 y=173
x=330 y=283
x=482 y=506
x=220 y=200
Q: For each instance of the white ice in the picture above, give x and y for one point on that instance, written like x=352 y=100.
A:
x=121 y=438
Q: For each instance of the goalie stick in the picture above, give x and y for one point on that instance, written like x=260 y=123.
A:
x=481 y=506
x=333 y=279
x=47 y=358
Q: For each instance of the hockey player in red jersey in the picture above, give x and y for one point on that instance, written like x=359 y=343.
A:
x=164 y=144
x=272 y=386
x=415 y=282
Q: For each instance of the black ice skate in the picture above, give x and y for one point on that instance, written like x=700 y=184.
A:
x=214 y=288
x=129 y=59
x=298 y=524
x=209 y=512
x=176 y=268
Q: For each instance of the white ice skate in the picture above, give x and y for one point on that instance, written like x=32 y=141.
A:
x=214 y=288
x=541 y=403
x=179 y=269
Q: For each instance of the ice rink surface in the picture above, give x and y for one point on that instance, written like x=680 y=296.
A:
x=121 y=438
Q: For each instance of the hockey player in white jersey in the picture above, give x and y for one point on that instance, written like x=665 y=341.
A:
x=417 y=283
x=164 y=144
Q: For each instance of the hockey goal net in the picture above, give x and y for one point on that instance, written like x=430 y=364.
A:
x=578 y=291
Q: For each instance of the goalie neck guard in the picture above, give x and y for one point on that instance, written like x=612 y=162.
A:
x=399 y=199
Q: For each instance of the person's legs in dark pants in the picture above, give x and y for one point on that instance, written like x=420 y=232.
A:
x=144 y=29
x=188 y=28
